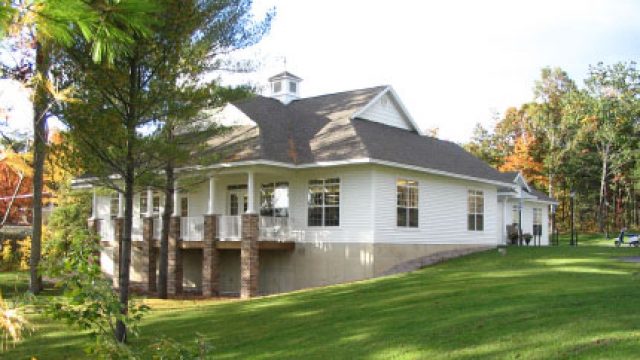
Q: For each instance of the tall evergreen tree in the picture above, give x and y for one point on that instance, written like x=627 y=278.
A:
x=37 y=28
x=120 y=108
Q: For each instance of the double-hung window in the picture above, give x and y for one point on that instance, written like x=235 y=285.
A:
x=324 y=202
x=274 y=199
x=407 y=205
x=184 y=206
x=143 y=205
x=114 y=204
x=156 y=203
x=515 y=215
x=537 y=221
x=475 y=212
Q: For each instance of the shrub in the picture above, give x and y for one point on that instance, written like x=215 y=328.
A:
x=67 y=226
x=9 y=256
x=89 y=301
x=24 y=252
x=513 y=236
x=12 y=323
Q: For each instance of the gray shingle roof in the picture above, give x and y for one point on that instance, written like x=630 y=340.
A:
x=320 y=128
x=510 y=176
x=541 y=196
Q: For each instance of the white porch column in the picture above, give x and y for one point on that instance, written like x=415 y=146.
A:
x=176 y=199
x=149 y=202
x=120 y=205
x=250 y=193
x=94 y=205
x=212 y=195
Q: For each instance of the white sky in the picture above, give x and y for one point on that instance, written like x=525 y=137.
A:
x=453 y=63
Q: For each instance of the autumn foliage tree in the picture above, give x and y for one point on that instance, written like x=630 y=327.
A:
x=15 y=187
x=521 y=159
x=572 y=139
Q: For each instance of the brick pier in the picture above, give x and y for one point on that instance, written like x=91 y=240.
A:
x=249 y=270
x=210 y=258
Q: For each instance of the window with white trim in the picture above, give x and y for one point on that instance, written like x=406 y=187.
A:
x=537 y=216
x=114 y=204
x=293 y=87
x=537 y=221
x=515 y=215
x=142 y=205
x=277 y=86
x=407 y=204
x=475 y=210
x=156 y=203
x=324 y=202
x=274 y=199
x=184 y=206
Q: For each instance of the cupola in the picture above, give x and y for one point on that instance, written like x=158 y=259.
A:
x=285 y=87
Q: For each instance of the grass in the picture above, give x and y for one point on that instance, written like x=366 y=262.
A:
x=533 y=303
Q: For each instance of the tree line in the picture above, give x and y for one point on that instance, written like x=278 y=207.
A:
x=575 y=140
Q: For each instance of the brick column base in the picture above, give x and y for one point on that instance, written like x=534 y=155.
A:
x=249 y=270
x=174 y=281
x=148 y=256
x=117 y=246
x=210 y=257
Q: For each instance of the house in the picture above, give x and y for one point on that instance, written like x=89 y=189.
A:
x=317 y=191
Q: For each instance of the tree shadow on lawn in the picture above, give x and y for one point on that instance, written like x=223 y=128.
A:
x=442 y=311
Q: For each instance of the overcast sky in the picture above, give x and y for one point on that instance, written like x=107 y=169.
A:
x=453 y=63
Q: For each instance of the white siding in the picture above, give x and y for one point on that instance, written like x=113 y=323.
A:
x=442 y=210
x=198 y=198
x=387 y=112
x=103 y=207
x=356 y=210
x=527 y=217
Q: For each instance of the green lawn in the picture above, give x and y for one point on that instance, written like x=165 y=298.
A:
x=533 y=303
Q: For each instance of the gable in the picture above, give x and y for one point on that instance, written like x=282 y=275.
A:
x=521 y=182
x=385 y=110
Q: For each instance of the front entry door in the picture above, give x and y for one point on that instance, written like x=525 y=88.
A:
x=237 y=202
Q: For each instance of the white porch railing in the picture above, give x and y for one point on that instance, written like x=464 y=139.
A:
x=157 y=228
x=107 y=230
x=229 y=227
x=275 y=228
x=192 y=228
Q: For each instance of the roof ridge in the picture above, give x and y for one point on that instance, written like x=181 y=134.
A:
x=340 y=93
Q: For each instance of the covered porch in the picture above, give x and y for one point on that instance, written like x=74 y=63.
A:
x=229 y=211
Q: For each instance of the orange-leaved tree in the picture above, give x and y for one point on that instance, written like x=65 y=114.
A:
x=522 y=159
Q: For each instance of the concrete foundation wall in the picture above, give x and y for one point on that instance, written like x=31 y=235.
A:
x=313 y=265
x=309 y=265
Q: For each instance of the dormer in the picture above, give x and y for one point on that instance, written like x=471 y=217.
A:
x=285 y=87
